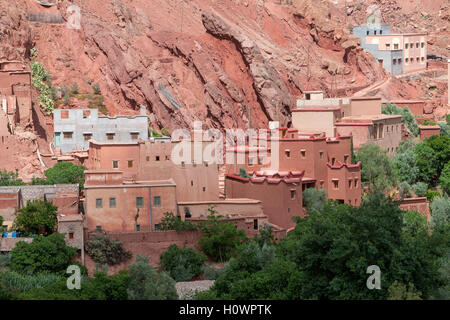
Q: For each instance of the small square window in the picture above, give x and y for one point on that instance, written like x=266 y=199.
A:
x=287 y=153
x=110 y=136
x=139 y=202
x=138 y=228
x=87 y=136
x=98 y=203
x=112 y=202
x=157 y=201
x=134 y=135
x=115 y=164
x=157 y=158
x=183 y=164
x=156 y=226
x=335 y=184
x=68 y=135
x=70 y=235
x=406 y=46
x=130 y=163
x=64 y=114
x=303 y=153
x=293 y=192
x=204 y=189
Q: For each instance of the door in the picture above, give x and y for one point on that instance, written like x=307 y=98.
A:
x=380 y=61
x=57 y=139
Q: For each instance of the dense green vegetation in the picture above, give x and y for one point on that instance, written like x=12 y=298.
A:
x=327 y=255
x=105 y=251
x=8 y=178
x=182 y=264
x=62 y=173
x=40 y=78
x=37 y=217
x=172 y=222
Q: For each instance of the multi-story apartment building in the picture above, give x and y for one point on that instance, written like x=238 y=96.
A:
x=397 y=53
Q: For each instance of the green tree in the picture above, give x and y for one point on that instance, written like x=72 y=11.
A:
x=445 y=179
x=220 y=237
x=441 y=147
x=182 y=263
x=427 y=163
x=37 y=217
x=376 y=167
x=172 y=222
x=63 y=173
x=10 y=179
x=44 y=255
x=407 y=117
x=398 y=291
x=405 y=164
x=314 y=199
x=147 y=284
x=440 y=211
x=420 y=189
x=105 y=251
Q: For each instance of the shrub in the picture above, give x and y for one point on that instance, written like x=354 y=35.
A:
x=40 y=79
x=314 y=199
x=172 y=222
x=44 y=255
x=96 y=88
x=220 y=237
x=74 y=88
x=182 y=264
x=210 y=272
x=165 y=132
x=9 y=178
x=243 y=173
x=21 y=282
x=4 y=260
x=147 y=284
x=420 y=189
x=431 y=194
x=106 y=251
x=38 y=217
x=404 y=189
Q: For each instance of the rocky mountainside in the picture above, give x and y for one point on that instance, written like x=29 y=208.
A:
x=228 y=63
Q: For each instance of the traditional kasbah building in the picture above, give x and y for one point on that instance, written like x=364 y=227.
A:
x=129 y=187
x=359 y=117
x=396 y=53
x=15 y=96
x=306 y=160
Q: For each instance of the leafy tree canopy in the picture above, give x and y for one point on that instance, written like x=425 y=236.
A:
x=37 y=217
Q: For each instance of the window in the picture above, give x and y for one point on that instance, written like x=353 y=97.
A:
x=86 y=114
x=287 y=153
x=187 y=212
x=367 y=32
x=255 y=224
x=98 y=203
x=138 y=227
x=134 y=135
x=70 y=235
x=147 y=158
x=417 y=44
x=204 y=189
x=303 y=153
x=335 y=183
x=156 y=226
x=394 y=61
x=64 y=114
x=346 y=158
x=139 y=202
x=115 y=164
x=157 y=158
x=395 y=46
x=320 y=154
x=375 y=32
x=321 y=184
x=406 y=60
x=260 y=160
x=423 y=59
x=157 y=201
x=87 y=136
x=192 y=183
x=350 y=183
x=130 y=163
x=168 y=158
x=406 y=46
x=293 y=192
x=332 y=161
x=112 y=202
x=182 y=164
x=399 y=61
x=110 y=136
x=388 y=46
x=250 y=161
x=68 y=135
x=417 y=59
x=356 y=183
x=381 y=31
